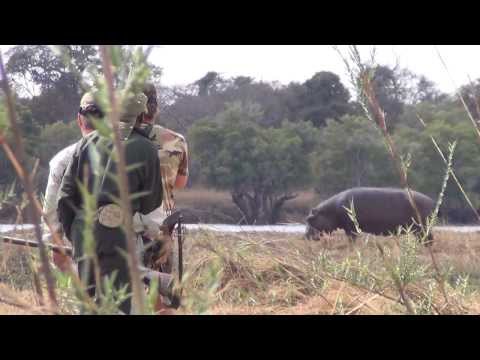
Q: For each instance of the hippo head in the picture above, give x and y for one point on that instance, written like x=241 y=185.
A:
x=311 y=233
x=318 y=223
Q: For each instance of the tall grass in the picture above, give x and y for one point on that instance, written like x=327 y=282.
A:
x=278 y=273
x=283 y=274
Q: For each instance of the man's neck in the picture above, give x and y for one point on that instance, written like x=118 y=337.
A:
x=86 y=132
x=147 y=120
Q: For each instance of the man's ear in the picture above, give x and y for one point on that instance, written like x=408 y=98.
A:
x=79 y=121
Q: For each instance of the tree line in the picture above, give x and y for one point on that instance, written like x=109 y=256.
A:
x=263 y=141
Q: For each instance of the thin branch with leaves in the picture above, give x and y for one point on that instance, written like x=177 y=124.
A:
x=27 y=183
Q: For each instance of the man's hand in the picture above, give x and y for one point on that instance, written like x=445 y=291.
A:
x=159 y=234
x=63 y=262
x=145 y=226
x=165 y=251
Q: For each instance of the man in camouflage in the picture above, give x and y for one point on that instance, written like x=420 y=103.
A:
x=92 y=166
x=172 y=151
x=173 y=154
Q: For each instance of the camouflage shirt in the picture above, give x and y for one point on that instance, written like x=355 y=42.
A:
x=173 y=154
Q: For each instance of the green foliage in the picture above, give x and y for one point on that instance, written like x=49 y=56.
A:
x=111 y=297
x=351 y=153
x=260 y=164
x=202 y=295
x=342 y=150
x=389 y=91
x=471 y=95
x=55 y=137
x=407 y=266
x=426 y=174
x=3 y=118
x=323 y=97
x=50 y=85
x=235 y=152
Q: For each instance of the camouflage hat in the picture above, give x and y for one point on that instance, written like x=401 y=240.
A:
x=133 y=106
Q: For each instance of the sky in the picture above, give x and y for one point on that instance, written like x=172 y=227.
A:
x=184 y=64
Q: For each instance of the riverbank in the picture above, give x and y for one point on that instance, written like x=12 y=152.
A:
x=227 y=228
x=281 y=273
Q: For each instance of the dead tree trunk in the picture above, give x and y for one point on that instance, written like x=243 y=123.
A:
x=277 y=205
x=260 y=208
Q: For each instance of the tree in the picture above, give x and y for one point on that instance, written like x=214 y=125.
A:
x=471 y=96
x=209 y=84
x=351 y=153
x=245 y=90
x=53 y=87
x=320 y=98
x=260 y=167
x=53 y=138
x=426 y=91
x=40 y=66
x=427 y=167
x=398 y=88
x=389 y=92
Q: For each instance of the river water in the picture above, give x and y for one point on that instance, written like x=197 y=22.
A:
x=283 y=228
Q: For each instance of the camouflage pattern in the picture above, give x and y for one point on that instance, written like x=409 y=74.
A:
x=173 y=154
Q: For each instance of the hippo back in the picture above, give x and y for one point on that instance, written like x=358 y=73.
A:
x=380 y=210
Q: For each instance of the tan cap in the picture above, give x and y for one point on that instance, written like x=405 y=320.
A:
x=133 y=106
x=88 y=103
x=87 y=100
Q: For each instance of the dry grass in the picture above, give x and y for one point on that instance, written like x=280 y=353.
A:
x=203 y=197
x=285 y=274
x=18 y=302
x=209 y=206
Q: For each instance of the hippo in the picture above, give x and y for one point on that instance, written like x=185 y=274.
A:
x=379 y=211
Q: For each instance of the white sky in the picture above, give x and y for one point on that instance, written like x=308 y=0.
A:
x=184 y=64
